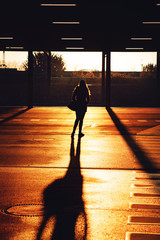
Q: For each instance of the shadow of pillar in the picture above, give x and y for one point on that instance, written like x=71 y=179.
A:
x=146 y=163
x=15 y=115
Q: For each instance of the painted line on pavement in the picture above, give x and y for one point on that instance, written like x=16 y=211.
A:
x=143 y=220
x=145 y=173
x=143 y=206
x=52 y=120
x=35 y=120
x=125 y=120
x=142 y=236
x=145 y=195
x=142 y=121
x=16 y=120
x=146 y=178
x=93 y=125
x=144 y=186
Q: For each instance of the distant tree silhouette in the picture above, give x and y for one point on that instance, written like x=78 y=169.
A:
x=83 y=74
x=90 y=75
x=79 y=74
x=150 y=68
x=40 y=64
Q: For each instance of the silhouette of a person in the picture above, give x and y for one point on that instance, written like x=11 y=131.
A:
x=81 y=95
x=63 y=201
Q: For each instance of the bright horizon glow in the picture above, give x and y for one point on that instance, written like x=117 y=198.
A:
x=131 y=61
x=120 y=61
x=92 y=61
x=76 y=61
x=14 y=59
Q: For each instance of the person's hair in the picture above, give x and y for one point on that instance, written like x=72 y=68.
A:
x=82 y=84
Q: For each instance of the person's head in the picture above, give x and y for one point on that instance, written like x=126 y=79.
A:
x=82 y=83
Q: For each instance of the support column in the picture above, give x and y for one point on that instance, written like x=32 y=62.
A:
x=158 y=81
x=108 y=79
x=103 y=78
x=30 y=78
x=49 y=75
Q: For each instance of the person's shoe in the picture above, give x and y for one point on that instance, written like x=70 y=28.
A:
x=81 y=135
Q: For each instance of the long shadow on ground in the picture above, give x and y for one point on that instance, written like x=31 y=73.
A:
x=14 y=115
x=63 y=202
x=146 y=163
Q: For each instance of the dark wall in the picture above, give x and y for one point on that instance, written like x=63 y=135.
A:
x=126 y=90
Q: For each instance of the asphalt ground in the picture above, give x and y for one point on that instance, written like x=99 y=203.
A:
x=105 y=186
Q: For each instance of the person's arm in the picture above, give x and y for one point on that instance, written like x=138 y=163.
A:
x=87 y=98
x=74 y=94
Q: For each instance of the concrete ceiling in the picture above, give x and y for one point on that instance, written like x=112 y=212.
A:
x=101 y=25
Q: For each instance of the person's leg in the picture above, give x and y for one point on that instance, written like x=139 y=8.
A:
x=75 y=125
x=80 y=125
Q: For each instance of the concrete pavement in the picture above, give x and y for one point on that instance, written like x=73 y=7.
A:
x=117 y=179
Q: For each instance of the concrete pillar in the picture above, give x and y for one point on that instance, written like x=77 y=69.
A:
x=49 y=75
x=30 y=78
x=103 y=78
x=158 y=80
x=108 y=79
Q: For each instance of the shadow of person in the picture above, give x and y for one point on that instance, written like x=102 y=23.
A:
x=63 y=201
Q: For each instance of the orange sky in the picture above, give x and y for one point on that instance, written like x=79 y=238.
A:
x=120 y=61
